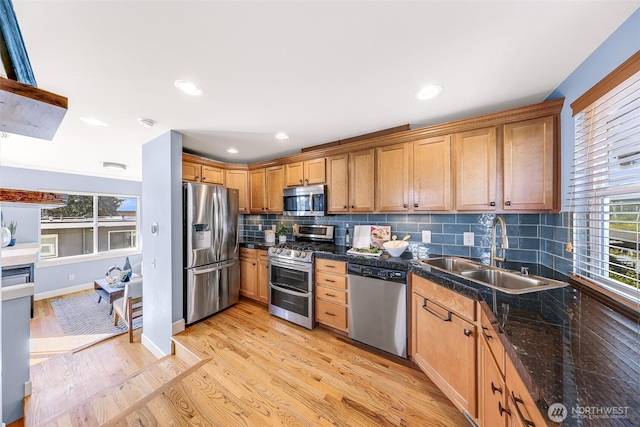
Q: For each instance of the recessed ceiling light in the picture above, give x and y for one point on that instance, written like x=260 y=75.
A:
x=93 y=121
x=148 y=123
x=188 y=87
x=282 y=135
x=428 y=92
x=112 y=165
x=232 y=151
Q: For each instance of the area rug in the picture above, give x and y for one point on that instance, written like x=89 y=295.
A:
x=85 y=321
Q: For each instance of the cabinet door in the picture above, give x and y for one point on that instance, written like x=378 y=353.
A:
x=257 y=195
x=475 y=161
x=274 y=177
x=315 y=171
x=293 y=174
x=444 y=346
x=248 y=277
x=190 y=171
x=361 y=181
x=263 y=277
x=338 y=184
x=432 y=174
x=239 y=180
x=492 y=390
x=392 y=188
x=529 y=165
x=212 y=175
x=523 y=408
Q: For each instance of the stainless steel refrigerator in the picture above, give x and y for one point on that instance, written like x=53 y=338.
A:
x=212 y=269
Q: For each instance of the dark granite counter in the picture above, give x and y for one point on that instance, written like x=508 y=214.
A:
x=570 y=346
x=256 y=244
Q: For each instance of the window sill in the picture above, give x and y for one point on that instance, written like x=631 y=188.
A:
x=86 y=258
x=626 y=302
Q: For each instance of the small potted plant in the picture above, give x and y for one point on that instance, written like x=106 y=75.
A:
x=281 y=231
x=13 y=226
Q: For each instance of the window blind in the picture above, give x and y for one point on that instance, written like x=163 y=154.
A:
x=605 y=188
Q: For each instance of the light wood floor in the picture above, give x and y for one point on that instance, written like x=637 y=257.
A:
x=245 y=368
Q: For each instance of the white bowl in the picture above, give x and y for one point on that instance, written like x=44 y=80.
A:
x=396 y=248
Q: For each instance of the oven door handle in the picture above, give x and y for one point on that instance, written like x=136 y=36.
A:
x=287 y=291
x=291 y=266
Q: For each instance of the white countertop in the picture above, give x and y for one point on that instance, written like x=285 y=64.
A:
x=21 y=253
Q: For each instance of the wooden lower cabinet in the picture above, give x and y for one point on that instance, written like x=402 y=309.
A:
x=444 y=345
x=524 y=411
x=331 y=294
x=263 y=276
x=249 y=273
x=494 y=408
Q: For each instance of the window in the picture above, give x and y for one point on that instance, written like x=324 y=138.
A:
x=606 y=189
x=89 y=224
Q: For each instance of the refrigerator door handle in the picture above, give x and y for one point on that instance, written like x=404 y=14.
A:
x=216 y=267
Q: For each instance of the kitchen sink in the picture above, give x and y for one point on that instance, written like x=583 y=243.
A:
x=453 y=264
x=506 y=281
x=511 y=282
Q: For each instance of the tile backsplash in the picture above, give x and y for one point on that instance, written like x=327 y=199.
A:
x=535 y=238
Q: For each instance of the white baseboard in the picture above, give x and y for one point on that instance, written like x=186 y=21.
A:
x=152 y=347
x=177 y=327
x=63 y=291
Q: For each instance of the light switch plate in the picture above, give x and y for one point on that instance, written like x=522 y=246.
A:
x=426 y=236
x=259 y=227
x=468 y=238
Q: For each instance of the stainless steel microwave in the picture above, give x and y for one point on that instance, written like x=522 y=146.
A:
x=310 y=200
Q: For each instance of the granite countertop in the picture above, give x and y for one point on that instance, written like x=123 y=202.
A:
x=570 y=346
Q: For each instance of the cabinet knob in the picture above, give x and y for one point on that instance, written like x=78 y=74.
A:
x=484 y=332
x=204 y=178
x=492 y=204
x=306 y=180
x=329 y=314
x=300 y=181
x=503 y=409
x=508 y=203
x=467 y=332
x=196 y=177
x=494 y=389
x=344 y=207
x=415 y=205
x=406 y=206
x=352 y=207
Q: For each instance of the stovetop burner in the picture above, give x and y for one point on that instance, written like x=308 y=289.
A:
x=299 y=250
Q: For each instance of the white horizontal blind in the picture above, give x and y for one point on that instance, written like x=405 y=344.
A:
x=606 y=190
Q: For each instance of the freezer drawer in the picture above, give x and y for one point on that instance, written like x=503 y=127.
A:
x=211 y=288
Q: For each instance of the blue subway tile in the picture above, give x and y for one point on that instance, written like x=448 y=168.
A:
x=462 y=251
x=398 y=217
x=421 y=218
x=527 y=243
x=448 y=239
x=522 y=255
x=529 y=219
x=406 y=228
x=546 y=232
x=443 y=218
x=455 y=228
x=434 y=228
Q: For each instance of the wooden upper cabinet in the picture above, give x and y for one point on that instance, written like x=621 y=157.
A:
x=475 y=164
x=257 y=191
x=338 y=183
x=191 y=171
x=239 y=180
x=361 y=181
x=274 y=179
x=392 y=185
x=212 y=175
x=529 y=160
x=309 y=172
x=432 y=174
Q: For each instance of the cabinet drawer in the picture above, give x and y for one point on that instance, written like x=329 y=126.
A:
x=522 y=405
x=490 y=335
x=262 y=255
x=331 y=280
x=330 y=294
x=331 y=314
x=331 y=266
x=248 y=253
x=461 y=305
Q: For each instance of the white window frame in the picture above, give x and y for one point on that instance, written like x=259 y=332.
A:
x=133 y=238
x=53 y=245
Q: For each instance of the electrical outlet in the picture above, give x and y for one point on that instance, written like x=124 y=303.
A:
x=468 y=238
x=426 y=236
x=72 y=276
x=259 y=227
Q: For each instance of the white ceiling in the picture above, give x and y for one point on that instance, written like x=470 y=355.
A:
x=319 y=71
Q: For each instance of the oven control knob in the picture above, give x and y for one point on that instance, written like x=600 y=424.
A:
x=288 y=252
x=279 y=251
x=302 y=254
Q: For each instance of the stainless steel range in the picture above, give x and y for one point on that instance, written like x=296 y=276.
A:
x=291 y=290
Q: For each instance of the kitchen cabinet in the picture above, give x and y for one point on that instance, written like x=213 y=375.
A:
x=266 y=190
x=331 y=298
x=475 y=170
x=494 y=410
x=524 y=411
x=529 y=164
x=432 y=174
x=263 y=277
x=392 y=183
x=309 y=172
x=195 y=172
x=239 y=179
x=351 y=182
x=443 y=338
x=257 y=191
x=249 y=273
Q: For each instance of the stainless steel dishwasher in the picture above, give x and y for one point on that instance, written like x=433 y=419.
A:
x=378 y=307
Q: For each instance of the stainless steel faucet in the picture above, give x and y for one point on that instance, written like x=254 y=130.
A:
x=504 y=241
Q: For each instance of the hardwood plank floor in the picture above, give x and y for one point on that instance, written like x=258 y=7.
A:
x=254 y=370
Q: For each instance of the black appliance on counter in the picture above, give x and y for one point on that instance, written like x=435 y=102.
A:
x=291 y=290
